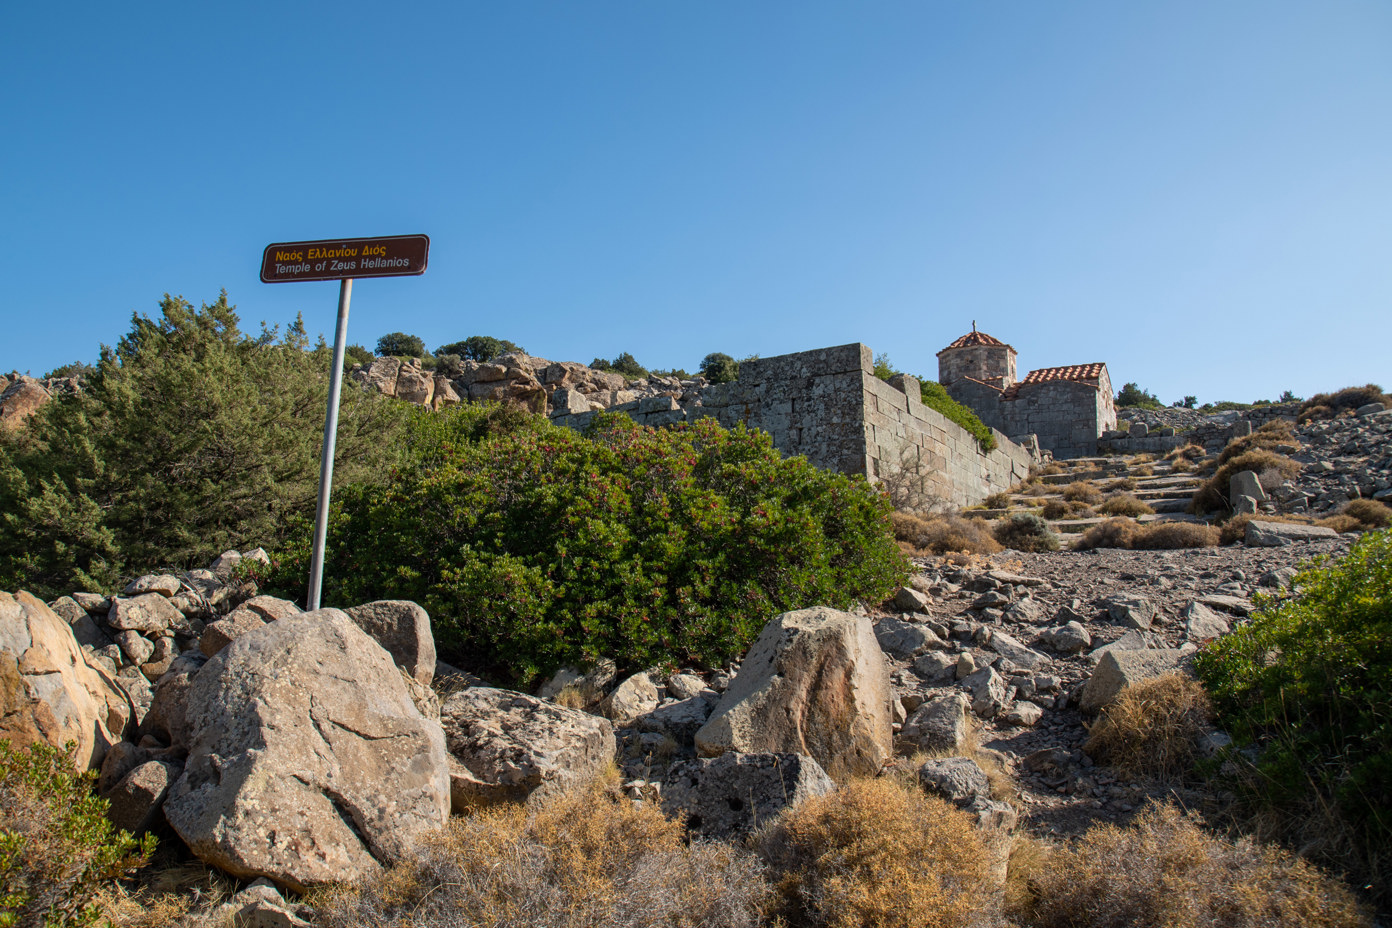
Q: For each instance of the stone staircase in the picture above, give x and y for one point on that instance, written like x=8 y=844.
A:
x=1163 y=490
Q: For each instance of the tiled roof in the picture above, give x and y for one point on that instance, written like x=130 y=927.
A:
x=975 y=338
x=1077 y=373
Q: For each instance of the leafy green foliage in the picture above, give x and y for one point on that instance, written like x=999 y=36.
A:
x=1309 y=682
x=718 y=367
x=56 y=846
x=1132 y=395
x=533 y=546
x=480 y=348
x=72 y=369
x=189 y=439
x=1189 y=402
x=356 y=354
x=624 y=364
x=935 y=396
x=401 y=345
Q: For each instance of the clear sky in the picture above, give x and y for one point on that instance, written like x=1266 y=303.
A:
x=1197 y=193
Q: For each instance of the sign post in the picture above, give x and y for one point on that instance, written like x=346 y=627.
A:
x=341 y=260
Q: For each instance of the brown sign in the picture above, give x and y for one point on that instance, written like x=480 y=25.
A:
x=339 y=258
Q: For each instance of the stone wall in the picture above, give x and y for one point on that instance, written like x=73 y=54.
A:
x=1067 y=416
x=993 y=364
x=828 y=405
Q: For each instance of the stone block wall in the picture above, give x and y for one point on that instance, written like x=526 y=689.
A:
x=829 y=406
x=1067 y=416
x=992 y=364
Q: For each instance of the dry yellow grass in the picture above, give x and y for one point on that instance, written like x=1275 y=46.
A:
x=1129 y=534
x=1152 y=729
x=943 y=534
x=1124 y=504
x=1370 y=513
x=1082 y=491
x=589 y=857
x=1213 y=495
x=1056 y=509
x=1166 y=871
x=878 y=853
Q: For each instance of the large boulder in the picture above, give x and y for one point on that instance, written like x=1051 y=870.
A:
x=939 y=725
x=48 y=690
x=1261 y=534
x=731 y=795
x=20 y=400
x=506 y=746
x=814 y=683
x=309 y=762
x=403 y=628
x=167 y=717
x=147 y=613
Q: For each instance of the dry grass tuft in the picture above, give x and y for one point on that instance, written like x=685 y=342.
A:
x=1190 y=452
x=1082 y=491
x=1235 y=529
x=943 y=534
x=1153 y=728
x=997 y=501
x=1278 y=435
x=1370 y=513
x=1127 y=534
x=1165 y=870
x=1048 y=470
x=1329 y=405
x=1181 y=466
x=1124 y=504
x=1146 y=471
x=1025 y=531
x=1273 y=467
x=1120 y=484
x=589 y=857
x=878 y=852
x=1056 y=509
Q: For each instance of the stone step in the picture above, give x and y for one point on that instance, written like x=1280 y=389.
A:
x=1176 y=493
x=1170 y=505
x=1077 y=526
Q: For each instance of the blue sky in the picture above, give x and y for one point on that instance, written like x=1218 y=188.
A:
x=1198 y=194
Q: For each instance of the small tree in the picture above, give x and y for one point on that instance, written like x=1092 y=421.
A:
x=624 y=364
x=1288 y=397
x=480 y=348
x=718 y=367
x=1189 y=402
x=401 y=345
x=1133 y=395
x=356 y=354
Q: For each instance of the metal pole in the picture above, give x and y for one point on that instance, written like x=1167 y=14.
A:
x=321 y=514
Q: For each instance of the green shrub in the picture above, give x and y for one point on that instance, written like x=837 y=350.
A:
x=1309 y=683
x=624 y=364
x=190 y=438
x=1132 y=395
x=56 y=847
x=537 y=547
x=480 y=348
x=356 y=354
x=401 y=345
x=719 y=368
x=71 y=369
x=1025 y=531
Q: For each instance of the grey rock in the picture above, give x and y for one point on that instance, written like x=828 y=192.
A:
x=685 y=685
x=679 y=720
x=121 y=759
x=218 y=635
x=907 y=599
x=1132 y=611
x=1246 y=483
x=164 y=584
x=904 y=640
x=940 y=724
x=988 y=692
x=635 y=696
x=67 y=609
x=506 y=746
x=592 y=682
x=1022 y=713
x=1072 y=638
x=149 y=613
x=310 y=762
x=1120 y=669
x=959 y=780
x=261 y=906
x=1014 y=651
x=727 y=797
x=936 y=667
x=403 y=628
x=135 y=646
x=814 y=683
x=93 y=602
x=159 y=660
x=1278 y=534
x=167 y=718
x=135 y=801
x=1202 y=623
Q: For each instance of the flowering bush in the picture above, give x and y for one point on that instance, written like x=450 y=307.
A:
x=537 y=547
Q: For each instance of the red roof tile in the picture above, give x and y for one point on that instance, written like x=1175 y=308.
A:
x=975 y=338
x=1076 y=373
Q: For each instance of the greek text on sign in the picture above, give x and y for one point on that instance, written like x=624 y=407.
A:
x=337 y=259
